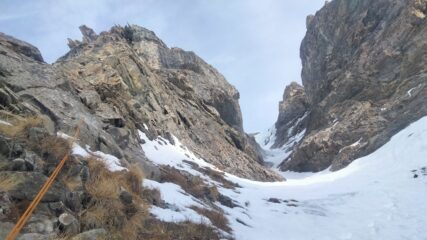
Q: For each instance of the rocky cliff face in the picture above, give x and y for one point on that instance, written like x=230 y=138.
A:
x=364 y=76
x=293 y=111
x=125 y=80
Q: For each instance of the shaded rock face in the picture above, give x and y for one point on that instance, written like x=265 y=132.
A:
x=125 y=80
x=364 y=76
x=20 y=47
x=293 y=111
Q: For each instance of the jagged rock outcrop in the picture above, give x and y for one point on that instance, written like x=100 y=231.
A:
x=292 y=114
x=364 y=74
x=211 y=88
x=125 y=80
x=112 y=86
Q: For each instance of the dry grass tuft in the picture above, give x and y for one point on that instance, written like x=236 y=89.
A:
x=219 y=177
x=193 y=185
x=157 y=230
x=53 y=148
x=106 y=207
x=71 y=183
x=152 y=196
x=214 y=175
x=4 y=165
x=102 y=182
x=104 y=213
x=70 y=175
x=20 y=126
x=135 y=224
x=7 y=183
x=217 y=218
x=132 y=181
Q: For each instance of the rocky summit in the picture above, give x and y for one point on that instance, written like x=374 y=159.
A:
x=125 y=80
x=364 y=79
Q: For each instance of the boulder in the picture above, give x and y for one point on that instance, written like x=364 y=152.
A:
x=5 y=228
x=28 y=184
x=68 y=224
x=40 y=224
x=93 y=234
x=36 y=236
x=20 y=164
x=6 y=206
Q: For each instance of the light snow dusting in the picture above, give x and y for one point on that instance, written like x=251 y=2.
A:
x=380 y=196
x=275 y=156
x=412 y=89
x=5 y=123
x=111 y=162
x=266 y=139
x=178 y=202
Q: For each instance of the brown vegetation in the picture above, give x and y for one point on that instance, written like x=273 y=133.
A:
x=152 y=196
x=213 y=174
x=193 y=185
x=122 y=220
x=219 y=177
x=106 y=206
x=157 y=230
x=115 y=201
x=7 y=183
x=19 y=125
x=53 y=148
x=216 y=217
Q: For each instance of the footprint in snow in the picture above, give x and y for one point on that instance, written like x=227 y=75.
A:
x=296 y=207
x=419 y=172
x=314 y=212
x=288 y=202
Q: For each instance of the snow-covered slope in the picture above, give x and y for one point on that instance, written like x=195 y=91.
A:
x=275 y=156
x=380 y=196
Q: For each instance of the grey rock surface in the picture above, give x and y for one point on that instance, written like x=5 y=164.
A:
x=364 y=74
x=28 y=184
x=5 y=228
x=119 y=80
x=293 y=111
x=93 y=234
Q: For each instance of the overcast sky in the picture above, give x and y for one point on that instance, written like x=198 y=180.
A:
x=254 y=43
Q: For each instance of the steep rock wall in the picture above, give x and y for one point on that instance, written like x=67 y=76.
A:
x=365 y=76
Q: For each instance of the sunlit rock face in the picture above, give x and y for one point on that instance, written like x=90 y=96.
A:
x=127 y=79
